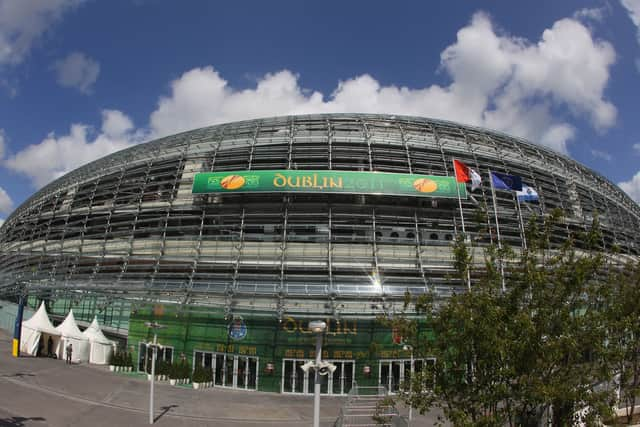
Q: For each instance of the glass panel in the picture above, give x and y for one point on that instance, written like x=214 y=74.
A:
x=142 y=354
x=208 y=357
x=298 y=377
x=242 y=366
x=229 y=373
x=395 y=379
x=337 y=378
x=168 y=354
x=287 y=386
x=219 y=374
x=198 y=360
x=407 y=373
x=253 y=372
x=385 y=379
x=149 y=358
x=324 y=383
x=311 y=380
x=348 y=377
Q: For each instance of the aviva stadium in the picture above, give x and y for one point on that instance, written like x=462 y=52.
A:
x=235 y=236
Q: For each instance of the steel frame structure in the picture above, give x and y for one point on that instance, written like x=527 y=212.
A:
x=128 y=226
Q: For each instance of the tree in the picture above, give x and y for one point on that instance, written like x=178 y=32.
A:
x=539 y=345
x=623 y=316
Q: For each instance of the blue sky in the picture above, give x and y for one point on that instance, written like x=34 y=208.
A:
x=82 y=78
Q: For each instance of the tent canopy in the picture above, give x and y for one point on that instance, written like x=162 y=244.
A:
x=37 y=332
x=69 y=328
x=101 y=347
x=40 y=322
x=71 y=334
x=94 y=333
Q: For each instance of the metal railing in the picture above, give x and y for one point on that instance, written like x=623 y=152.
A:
x=365 y=406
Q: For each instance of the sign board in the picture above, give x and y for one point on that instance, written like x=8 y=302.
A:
x=327 y=181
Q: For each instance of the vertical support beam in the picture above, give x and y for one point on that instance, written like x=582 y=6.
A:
x=376 y=268
x=17 y=328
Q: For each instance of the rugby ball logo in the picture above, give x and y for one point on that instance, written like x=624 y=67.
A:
x=232 y=182
x=425 y=185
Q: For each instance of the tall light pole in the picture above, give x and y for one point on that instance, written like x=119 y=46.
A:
x=405 y=348
x=154 y=326
x=317 y=327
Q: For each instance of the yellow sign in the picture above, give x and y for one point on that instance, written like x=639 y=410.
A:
x=334 y=327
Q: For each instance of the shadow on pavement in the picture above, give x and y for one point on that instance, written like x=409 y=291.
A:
x=19 y=375
x=164 y=409
x=18 y=421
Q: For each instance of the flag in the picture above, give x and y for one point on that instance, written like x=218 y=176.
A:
x=465 y=174
x=527 y=194
x=502 y=181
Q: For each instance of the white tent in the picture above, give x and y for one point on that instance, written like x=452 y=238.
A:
x=71 y=334
x=38 y=334
x=101 y=347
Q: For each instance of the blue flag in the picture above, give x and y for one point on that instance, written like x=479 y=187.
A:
x=502 y=181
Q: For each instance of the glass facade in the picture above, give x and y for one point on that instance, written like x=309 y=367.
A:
x=128 y=226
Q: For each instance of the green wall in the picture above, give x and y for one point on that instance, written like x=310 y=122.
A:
x=198 y=328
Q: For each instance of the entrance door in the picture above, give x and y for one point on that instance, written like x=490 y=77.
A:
x=229 y=370
x=392 y=373
x=145 y=354
x=295 y=380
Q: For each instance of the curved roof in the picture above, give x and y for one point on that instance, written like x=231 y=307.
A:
x=130 y=225
x=143 y=150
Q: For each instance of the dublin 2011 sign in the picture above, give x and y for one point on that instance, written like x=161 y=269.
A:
x=327 y=181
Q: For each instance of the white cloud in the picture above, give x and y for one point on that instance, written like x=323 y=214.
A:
x=633 y=8
x=77 y=71
x=632 y=187
x=3 y=143
x=22 y=22
x=116 y=124
x=6 y=204
x=55 y=156
x=594 y=14
x=1 y=221
x=636 y=147
x=601 y=155
x=497 y=81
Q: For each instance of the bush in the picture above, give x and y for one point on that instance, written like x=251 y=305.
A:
x=185 y=370
x=202 y=374
x=174 y=371
x=164 y=367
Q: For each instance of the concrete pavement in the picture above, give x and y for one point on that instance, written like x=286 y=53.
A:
x=47 y=392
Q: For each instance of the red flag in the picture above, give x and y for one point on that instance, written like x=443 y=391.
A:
x=462 y=171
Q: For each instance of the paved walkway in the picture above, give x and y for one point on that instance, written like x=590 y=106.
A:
x=47 y=392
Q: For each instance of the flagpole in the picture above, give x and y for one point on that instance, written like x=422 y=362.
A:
x=459 y=198
x=495 y=212
x=519 y=209
x=464 y=233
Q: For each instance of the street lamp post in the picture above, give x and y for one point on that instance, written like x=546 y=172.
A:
x=405 y=348
x=317 y=327
x=155 y=326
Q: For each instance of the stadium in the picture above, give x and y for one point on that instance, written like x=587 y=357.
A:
x=235 y=236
